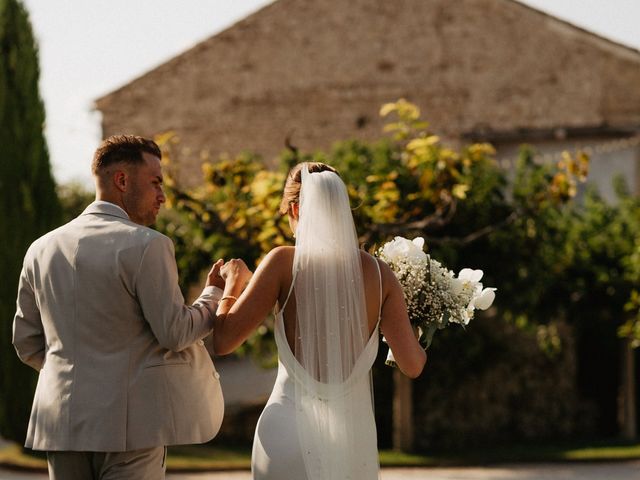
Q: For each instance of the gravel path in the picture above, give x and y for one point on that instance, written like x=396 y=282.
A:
x=555 y=471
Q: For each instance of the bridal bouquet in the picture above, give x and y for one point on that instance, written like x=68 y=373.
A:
x=435 y=297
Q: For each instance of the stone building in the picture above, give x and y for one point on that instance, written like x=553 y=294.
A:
x=319 y=71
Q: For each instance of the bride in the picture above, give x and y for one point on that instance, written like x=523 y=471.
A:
x=331 y=298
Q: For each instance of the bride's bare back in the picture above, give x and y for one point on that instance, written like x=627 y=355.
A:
x=270 y=285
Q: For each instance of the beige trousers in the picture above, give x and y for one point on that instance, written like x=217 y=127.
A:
x=145 y=464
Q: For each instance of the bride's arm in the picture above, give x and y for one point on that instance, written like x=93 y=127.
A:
x=236 y=319
x=396 y=328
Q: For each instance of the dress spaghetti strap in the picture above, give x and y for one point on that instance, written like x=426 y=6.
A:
x=380 y=278
x=293 y=281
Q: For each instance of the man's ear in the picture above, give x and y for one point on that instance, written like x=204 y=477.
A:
x=120 y=180
x=294 y=210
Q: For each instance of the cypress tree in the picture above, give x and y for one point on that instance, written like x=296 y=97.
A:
x=28 y=203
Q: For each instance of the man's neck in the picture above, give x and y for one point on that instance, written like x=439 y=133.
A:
x=112 y=203
x=100 y=196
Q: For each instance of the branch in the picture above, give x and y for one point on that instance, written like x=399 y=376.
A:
x=216 y=224
x=440 y=218
x=292 y=148
x=437 y=219
x=473 y=236
x=469 y=238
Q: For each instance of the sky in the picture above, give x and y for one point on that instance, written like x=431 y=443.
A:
x=89 y=48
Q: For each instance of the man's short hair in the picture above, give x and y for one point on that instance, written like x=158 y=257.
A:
x=123 y=149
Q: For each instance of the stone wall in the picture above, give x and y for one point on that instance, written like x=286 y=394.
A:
x=319 y=72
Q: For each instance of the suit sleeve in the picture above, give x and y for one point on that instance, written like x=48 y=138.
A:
x=213 y=294
x=28 y=332
x=174 y=324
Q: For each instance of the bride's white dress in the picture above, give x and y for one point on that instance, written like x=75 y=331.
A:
x=277 y=449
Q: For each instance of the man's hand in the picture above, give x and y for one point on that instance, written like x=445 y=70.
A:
x=213 y=277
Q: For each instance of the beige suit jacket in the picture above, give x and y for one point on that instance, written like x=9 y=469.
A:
x=121 y=358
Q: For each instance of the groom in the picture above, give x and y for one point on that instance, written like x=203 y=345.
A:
x=123 y=369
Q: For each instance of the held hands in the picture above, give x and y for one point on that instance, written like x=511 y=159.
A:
x=232 y=277
x=236 y=271
x=236 y=275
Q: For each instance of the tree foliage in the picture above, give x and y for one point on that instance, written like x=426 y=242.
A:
x=603 y=254
x=74 y=198
x=470 y=210
x=27 y=196
x=555 y=261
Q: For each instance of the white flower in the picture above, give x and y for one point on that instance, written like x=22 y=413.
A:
x=467 y=315
x=391 y=360
x=400 y=248
x=469 y=275
x=485 y=299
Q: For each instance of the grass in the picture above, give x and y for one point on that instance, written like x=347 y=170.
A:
x=621 y=451
x=213 y=457
x=208 y=457
x=575 y=451
x=14 y=456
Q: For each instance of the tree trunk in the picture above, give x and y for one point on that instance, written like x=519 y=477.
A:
x=627 y=393
x=402 y=412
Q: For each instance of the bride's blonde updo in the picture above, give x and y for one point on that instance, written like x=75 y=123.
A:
x=291 y=193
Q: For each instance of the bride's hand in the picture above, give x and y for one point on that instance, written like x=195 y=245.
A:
x=236 y=271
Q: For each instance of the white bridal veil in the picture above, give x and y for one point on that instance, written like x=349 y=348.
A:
x=331 y=332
